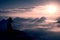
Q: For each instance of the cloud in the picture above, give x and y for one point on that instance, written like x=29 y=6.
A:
x=8 y=6
x=23 y=23
x=19 y=23
x=42 y=34
x=14 y=10
x=19 y=3
x=3 y=11
x=42 y=19
x=30 y=7
x=34 y=20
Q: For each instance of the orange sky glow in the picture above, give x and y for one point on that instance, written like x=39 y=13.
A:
x=47 y=10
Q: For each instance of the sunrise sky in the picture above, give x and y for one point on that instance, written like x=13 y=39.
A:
x=35 y=11
x=30 y=8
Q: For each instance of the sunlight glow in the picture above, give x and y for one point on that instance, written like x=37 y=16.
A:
x=51 y=9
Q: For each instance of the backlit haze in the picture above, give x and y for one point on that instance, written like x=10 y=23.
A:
x=32 y=9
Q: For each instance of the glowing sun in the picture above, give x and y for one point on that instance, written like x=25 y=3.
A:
x=51 y=9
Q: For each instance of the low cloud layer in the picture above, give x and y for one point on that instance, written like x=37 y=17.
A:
x=23 y=24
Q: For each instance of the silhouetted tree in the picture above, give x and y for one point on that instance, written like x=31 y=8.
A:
x=11 y=34
x=9 y=24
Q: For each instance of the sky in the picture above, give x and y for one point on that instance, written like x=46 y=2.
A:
x=30 y=8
